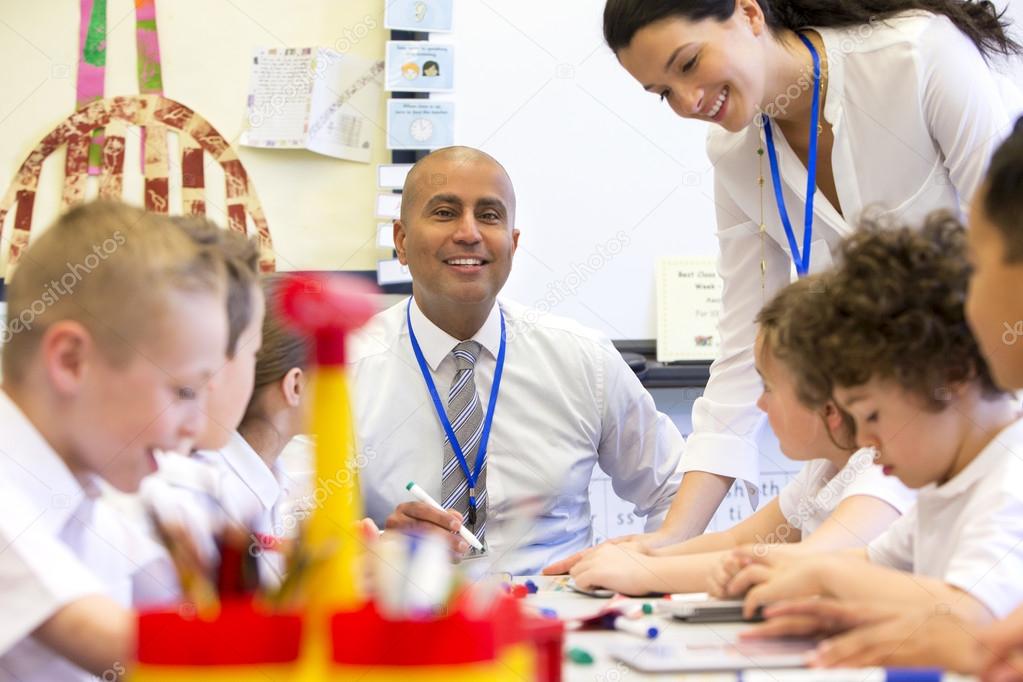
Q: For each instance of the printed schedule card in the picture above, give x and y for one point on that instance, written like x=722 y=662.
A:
x=688 y=307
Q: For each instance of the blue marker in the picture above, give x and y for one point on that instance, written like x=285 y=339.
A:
x=633 y=627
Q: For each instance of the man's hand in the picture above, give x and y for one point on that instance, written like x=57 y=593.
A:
x=419 y=516
x=615 y=567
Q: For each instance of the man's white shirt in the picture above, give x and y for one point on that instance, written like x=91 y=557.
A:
x=567 y=403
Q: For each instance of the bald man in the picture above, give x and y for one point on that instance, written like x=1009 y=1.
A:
x=499 y=417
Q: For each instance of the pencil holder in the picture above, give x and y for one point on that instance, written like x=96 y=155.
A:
x=337 y=633
x=244 y=643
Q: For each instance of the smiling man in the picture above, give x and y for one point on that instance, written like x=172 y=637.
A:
x=498 y=417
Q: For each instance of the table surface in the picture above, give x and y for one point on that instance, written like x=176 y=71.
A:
x=598 y=643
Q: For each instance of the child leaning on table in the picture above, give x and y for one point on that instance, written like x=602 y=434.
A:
x=875 y=635
x=906 y=366
x=839 y=499
x=99 y=374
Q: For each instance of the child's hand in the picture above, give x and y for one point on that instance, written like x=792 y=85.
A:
x=617 y=568
x=766 y=578
x=641 y=543
x=731 y=564
x=1003 y=642
x=565 y=565
x=818 y=616
x=919 y=638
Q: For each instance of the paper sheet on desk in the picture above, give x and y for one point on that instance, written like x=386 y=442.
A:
x=712 y=656
x=688 y=307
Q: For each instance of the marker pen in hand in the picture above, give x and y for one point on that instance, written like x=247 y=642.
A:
x=423 y=496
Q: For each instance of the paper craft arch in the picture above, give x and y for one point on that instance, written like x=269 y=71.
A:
x=155 y=115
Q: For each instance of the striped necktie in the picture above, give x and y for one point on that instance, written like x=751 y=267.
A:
x=466 y=415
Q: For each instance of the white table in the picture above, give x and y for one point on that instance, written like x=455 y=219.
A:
x=597 y=642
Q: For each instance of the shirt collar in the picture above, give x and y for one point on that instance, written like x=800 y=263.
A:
x=1005 y=444
x=835 y=50
x=35 y=468
x=252 y=470
x=437 y=344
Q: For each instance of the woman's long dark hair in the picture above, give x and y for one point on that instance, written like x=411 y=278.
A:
x=980 y=20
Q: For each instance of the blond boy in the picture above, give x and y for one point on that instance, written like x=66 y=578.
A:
x=116 y=324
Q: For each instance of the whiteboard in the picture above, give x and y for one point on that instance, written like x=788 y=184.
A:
x=607 y=177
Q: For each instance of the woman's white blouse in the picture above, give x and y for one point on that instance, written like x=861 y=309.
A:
x=916 y=114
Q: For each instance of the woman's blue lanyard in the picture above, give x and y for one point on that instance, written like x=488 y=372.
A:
x=470 y=476
x=801 y=258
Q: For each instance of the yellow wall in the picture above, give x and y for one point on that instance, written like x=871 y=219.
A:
x=320 y=210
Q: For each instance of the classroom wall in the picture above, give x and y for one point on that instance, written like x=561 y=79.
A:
x=608 y=178
x=320 y=209
x=592 y=156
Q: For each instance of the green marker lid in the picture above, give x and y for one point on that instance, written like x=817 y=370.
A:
x=410 y=484
x=580 y=656
x=648 y=609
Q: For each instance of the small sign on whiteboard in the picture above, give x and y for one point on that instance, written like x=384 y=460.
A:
x=688 y=307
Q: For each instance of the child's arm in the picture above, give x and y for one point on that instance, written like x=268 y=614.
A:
x=767 y=525
x=684 y=567
x=856 y=521
x=109 y=647
x=770 y=579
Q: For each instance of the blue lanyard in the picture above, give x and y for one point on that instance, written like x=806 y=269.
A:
x=801 y=258
x=470 y=476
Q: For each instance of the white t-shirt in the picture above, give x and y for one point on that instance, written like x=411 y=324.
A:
x=59 y=542
x=203 y=492
x=969 y=531
x=820 y=487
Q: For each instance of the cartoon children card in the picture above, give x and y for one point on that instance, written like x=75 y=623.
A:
x=420 y=66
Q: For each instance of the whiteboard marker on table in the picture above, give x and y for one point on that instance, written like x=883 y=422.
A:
x=423 y=496
x=639 y=628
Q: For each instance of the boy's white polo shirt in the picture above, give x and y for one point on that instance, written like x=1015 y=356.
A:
x=210 y=488
x=58 y=543
x=969 y=531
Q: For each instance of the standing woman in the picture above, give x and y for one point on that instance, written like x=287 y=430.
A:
x=889 y=106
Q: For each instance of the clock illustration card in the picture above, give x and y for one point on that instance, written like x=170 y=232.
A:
x=418 y=15
x=419 y=66
x=420 y=124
